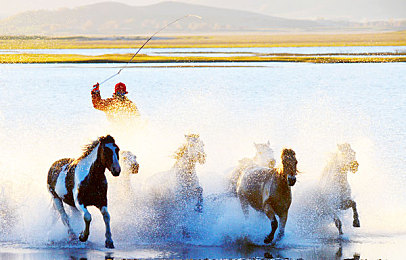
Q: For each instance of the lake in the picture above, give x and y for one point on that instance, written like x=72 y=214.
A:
x=46 y=114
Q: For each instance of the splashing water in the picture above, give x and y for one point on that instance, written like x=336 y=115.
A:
x=231 y=108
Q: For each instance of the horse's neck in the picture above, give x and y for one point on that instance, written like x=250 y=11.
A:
x=186 y=164
x=96 y=168
x=259 y=160
x=281 y=178
x=335 y=173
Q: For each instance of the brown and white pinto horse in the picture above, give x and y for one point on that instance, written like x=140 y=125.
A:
x=268 y=190
x=335 y=189
x=81 y=183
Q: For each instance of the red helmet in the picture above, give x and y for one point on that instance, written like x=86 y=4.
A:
x=120 y=87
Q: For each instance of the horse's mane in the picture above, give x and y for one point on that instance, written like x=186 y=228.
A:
x=87 y=149
x=180 y=152
x=286 y=154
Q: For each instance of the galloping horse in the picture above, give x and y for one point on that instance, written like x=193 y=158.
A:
x=180 y=185
x=264 y=157
x=187 y=187
x=81 y=183
x=334 y=185
x=268 y=190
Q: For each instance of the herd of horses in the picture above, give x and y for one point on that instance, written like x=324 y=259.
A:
x=256 y=182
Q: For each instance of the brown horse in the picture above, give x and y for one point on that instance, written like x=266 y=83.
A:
x=335 y=189
x=268 y=190
x=264 y=157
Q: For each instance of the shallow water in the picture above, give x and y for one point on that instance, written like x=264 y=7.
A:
x=46 y=114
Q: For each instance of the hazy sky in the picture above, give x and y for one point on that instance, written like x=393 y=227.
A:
x=309 y=9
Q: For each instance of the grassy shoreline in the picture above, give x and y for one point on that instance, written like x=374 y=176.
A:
x=124 y=58
x=205 y=41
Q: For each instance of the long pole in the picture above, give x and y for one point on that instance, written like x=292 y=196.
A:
x=135 y=54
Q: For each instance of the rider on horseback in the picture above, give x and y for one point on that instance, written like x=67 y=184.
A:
x=117 y=107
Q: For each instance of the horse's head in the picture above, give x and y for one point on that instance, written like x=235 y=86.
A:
x=264 y=155
x=347 y=155
x=129 y=162
x=193 y=150
x=289 y=163
x=109 y=154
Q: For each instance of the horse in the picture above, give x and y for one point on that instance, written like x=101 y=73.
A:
x=81 y=182
x=174 y=196
x=187 y=187
x=335 y=189
x=129 y=162
x=268 y=190
x=264 y=157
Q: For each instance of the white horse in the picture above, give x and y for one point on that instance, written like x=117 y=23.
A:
x=264 y=157
x=174 y=193
x=334 y=186
x=129 y=167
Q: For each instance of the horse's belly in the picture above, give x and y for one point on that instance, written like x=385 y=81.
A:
x=60 y=187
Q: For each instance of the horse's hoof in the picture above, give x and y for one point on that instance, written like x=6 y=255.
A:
x=109 y=244
x=356 y=223
x=199 y=208
x=82 y=237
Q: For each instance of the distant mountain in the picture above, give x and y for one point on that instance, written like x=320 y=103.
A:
x=111 y=18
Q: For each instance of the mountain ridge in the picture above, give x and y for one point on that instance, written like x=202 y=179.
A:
x=112 y=18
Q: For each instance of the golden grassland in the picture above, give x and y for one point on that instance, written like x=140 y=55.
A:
x=124 y=58
x=209 y=41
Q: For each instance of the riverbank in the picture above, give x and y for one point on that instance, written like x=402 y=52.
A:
x=206 y=41
x=124 y=58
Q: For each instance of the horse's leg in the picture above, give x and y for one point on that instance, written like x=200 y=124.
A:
x=106 y=218
x=199 y=205
x=337 y=221
x=64 y=217
x=282 y=220
x=84 y=235
x=351 y=204
x=274 y=223
x=244 y=206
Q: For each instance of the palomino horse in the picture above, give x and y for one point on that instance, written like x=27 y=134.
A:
x=268 y=190
x=264 y=157
x=81 y=183
x=334 y=185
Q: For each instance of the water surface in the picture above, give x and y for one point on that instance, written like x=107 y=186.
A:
x=46 y=114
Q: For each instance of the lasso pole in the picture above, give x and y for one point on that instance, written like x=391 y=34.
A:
x=135 y=54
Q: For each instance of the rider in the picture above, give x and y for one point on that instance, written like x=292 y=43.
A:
x=117 y=107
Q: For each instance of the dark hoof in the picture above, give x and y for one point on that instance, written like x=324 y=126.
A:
x=268 y=239
x=109 y=244
x=356 y=223
x=199 y=208
x=83 y=238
